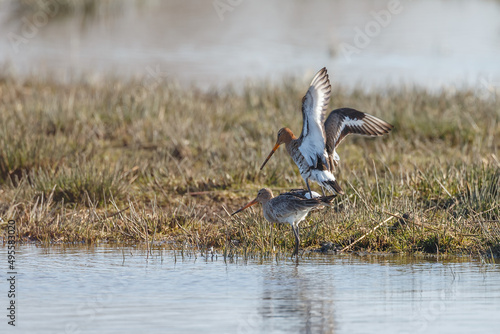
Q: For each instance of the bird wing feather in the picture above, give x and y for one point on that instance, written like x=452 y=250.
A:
x=303 y=193
x=314 y=104
x=287 y=204
x=342 y=122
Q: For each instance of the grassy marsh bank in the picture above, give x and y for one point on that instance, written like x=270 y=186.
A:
x=118 y=161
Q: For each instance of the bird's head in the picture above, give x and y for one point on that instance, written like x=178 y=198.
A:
x=264 y=195
x=285 y=136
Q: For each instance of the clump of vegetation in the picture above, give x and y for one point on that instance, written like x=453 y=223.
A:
x=105 y=161
x=79 y=183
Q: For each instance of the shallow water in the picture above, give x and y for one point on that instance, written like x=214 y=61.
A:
x=431 y=43
x=114 y=289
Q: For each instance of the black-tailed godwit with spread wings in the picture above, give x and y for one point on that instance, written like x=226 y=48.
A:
x=314 y=151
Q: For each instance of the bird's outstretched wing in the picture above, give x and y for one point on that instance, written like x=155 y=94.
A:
x=344 y=121
x=314 y=105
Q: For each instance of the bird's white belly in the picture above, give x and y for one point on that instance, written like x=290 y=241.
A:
x=296 y=218
x=307 y=172
x=290 y=218
x=320 y=176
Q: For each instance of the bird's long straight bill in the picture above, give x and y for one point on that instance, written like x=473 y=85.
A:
x=270 y=155
x=249 y=204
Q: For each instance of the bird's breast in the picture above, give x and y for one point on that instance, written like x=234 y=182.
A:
x=269 y=213
x=298 y=158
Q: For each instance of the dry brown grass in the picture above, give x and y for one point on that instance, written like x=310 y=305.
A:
x=117 y=161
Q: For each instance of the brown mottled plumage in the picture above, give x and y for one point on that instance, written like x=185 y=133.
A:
x=290 y=208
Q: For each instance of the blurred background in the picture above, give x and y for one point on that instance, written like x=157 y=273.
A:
x=363 y=43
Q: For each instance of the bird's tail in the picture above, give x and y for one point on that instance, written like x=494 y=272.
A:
x=333 y=187
x=326 y=199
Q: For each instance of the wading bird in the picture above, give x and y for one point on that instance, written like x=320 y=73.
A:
x=314 y=151
x=287 y=208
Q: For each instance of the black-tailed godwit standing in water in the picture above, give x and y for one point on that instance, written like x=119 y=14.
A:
x=290 y=208
x=314 y=151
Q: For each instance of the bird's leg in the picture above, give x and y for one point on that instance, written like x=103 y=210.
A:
x=297 y=239
x=309 y=188
x=323 y=191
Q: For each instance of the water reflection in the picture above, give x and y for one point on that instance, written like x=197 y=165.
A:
x=289 y=293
